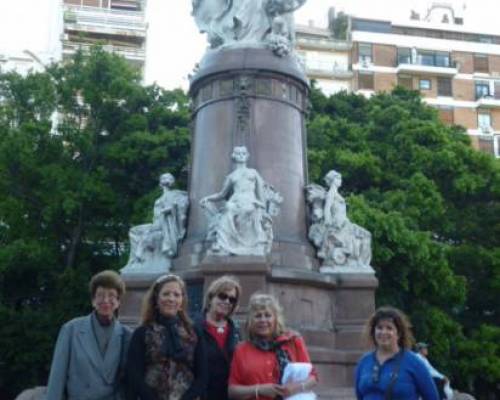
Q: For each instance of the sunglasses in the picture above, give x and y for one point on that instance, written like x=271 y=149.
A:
x=223 y=297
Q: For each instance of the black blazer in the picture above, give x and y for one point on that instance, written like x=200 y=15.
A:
x=219 y=362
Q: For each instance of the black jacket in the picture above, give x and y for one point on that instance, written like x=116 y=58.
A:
x=218 y=361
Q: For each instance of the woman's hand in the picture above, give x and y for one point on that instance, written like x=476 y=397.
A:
x=270 y=390
x=292 y=388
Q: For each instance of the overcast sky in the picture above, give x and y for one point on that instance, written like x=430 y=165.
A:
x=174 y=44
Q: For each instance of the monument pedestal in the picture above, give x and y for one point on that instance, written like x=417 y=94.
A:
x=249 y=97
x=328 y=310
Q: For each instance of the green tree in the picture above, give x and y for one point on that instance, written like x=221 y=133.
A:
x=69 y=192
x=432 y=205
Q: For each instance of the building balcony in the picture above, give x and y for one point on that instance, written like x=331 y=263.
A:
x=415 y=67
x=488 y=102
x=309 y=43
x=103 y=20
x=325 y=69
x=137 y=55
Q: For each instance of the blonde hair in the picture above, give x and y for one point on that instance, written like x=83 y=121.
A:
x=223 y=284
x=259 y=301
x=150 y=312
x=398 y=318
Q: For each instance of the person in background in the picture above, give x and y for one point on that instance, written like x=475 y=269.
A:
x=89 y=355
x=220 y=332
x=392 y=370
x=166 y=358
x=259 y=362
x=441 y=381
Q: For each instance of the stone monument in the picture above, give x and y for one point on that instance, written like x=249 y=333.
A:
x=250 y=98
x=152 y=246
x=342 y=245
x=243 y=225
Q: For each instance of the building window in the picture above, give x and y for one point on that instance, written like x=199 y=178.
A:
x=404 y=56
x=405 y=81
x=446 y=115
x=444 y=87
x=497 y=90
x=482 y=89
x=484 y=121
x=434 y=58
x=425 y=84
x=366 y=81
x=365 y=53
x=481 y=63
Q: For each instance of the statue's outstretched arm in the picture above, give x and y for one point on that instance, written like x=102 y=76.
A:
x=221 y=195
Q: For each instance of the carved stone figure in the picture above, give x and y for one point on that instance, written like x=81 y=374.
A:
x=341 y=244
x=245 y=23
x=243 y=224
x=152 y=246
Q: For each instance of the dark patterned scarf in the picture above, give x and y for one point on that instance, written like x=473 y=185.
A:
x=171 y=346
x=276 y=346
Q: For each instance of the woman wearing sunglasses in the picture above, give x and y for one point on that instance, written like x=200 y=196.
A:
x=220 y=333
x=392 y=370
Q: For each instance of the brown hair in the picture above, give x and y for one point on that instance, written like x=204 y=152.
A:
x=259 y=301
x=107 y=279
x=398 y=318
x=150 y=311
x=223 y=284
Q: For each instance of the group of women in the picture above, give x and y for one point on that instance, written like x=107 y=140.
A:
x=171 y=357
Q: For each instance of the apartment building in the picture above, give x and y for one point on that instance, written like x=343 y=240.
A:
x=326 y=58
x=456 y=69
x=119 y=25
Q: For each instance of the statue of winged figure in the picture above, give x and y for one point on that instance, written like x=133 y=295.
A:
x=246 y=23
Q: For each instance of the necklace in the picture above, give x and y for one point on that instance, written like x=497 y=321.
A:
x=221 y=327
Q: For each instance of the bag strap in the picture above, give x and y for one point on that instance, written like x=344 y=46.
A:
x=394 y=376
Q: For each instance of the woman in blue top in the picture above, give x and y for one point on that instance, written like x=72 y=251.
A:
x=392 y=371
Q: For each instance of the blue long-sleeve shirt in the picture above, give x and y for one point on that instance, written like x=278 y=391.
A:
x=414 y=380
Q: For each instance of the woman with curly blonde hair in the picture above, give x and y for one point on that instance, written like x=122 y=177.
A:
x=259 y=362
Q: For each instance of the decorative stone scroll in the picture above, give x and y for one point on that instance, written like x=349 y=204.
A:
x=243 y=224
x=342 y=245
x=152 y=246
x=248 y=23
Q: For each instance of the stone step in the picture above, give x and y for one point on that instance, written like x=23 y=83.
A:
x=339 y=393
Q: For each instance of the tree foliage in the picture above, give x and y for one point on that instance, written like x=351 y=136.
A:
x=70 y=191
x=432 y=205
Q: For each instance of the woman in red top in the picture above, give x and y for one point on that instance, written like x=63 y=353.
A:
x=258 y=363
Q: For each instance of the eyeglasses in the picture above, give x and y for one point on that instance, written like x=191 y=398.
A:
x=106 y=296
x=376 y=373
x=223 y=297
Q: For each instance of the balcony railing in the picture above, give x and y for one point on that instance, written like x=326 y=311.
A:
x=115 y=19
x=323 y=43
x=420 y=61
x=418 y=64
x=129 y=53
x=326 y=69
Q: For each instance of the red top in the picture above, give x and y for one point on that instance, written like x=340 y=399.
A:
x=220 y=337
x=251 y=366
